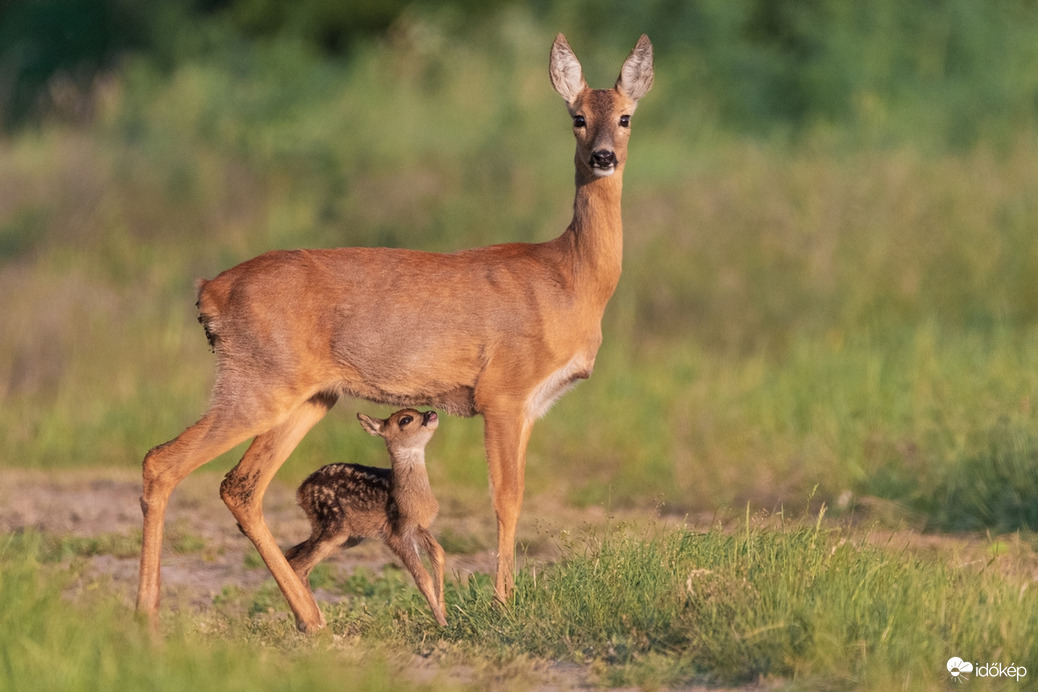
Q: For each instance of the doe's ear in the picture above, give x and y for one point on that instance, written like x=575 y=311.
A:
x=635 y=78
x=374 y=426
x=565 y=71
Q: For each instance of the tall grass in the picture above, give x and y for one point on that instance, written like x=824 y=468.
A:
x=823 y=609
x=793 y=313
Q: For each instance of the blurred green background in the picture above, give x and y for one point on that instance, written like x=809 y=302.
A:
x=831 y=231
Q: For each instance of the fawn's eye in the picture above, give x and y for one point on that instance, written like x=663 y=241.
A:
x=578 y=121
x=625 y=121
x=405 y=421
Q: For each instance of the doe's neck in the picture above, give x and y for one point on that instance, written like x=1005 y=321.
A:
x=597 y=227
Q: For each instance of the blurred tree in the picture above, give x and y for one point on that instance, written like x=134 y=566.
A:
x=332 y=25
x=950 y=69
x=51 y=51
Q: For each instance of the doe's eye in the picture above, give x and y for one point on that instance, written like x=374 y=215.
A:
x=578 y=121
x=405 y=421
x=625 y=121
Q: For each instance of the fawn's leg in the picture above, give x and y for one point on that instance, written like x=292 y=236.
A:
x=406 y=549
x=308 y=554
x=435 y=553
x=242 y=491
x=164 y=467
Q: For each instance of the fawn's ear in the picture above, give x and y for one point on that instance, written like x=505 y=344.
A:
x=372 y=425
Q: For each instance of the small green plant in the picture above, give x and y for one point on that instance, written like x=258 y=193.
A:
x=184 y=542
x=458 y=543
x=323 y=576
x=252 y=559
x=267 y=599
x=48 y=547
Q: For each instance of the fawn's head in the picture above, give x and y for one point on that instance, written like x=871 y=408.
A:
x=601 y=117
x=404 y=430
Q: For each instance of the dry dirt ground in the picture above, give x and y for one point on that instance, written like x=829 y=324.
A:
x=94 y=503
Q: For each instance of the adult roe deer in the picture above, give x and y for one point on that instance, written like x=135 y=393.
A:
x=347 y=503
x=499 y=331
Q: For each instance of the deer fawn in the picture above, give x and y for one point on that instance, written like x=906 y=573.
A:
x=347 y=503
x=499 y=331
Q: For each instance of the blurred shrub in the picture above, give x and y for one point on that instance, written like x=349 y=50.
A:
x=948 y=72
x=770 y=334
x=333 y=26
x=993 y=485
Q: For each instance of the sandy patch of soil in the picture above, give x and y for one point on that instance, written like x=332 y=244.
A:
x=105 y=502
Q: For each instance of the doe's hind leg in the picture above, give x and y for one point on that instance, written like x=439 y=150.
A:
x=164 y=467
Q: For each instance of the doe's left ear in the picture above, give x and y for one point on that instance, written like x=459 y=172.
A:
x=635 y=78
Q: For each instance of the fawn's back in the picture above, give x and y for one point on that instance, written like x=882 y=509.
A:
x=347 y=497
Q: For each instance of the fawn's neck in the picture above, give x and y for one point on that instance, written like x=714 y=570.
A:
x=409 y=473
x=411 y=491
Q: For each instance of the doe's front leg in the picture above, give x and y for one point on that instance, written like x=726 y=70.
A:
x=506 y=437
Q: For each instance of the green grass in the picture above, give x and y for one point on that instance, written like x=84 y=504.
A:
x=57 y=632
x=820 y=607
x=57 y=548
x=932 y=421
x=808 y=603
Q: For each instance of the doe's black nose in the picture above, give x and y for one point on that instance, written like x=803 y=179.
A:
x=603 y=158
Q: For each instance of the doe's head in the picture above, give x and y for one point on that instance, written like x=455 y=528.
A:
x=601 y=117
